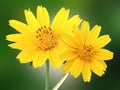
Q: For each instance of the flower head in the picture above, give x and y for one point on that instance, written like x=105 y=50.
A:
x=85 y=52
x=39 y=40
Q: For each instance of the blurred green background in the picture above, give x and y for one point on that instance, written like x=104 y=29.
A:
x=16 y=76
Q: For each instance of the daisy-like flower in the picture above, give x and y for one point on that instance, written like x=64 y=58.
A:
x=39 y=40
x=85 y=52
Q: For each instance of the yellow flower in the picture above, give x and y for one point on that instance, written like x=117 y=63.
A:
x=38 y=40
x=85 y=52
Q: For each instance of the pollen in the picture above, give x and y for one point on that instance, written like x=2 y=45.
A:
x=86 y=52
x=47 y=39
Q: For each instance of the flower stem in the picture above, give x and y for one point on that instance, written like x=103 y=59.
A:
x=47 y=76
x=60 y=82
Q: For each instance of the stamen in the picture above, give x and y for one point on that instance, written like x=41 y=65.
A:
x=86 y=52
x=47 y=39
x=44 y=26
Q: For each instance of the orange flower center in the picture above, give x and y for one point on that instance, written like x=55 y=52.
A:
x=47 y=39
x=86 y=52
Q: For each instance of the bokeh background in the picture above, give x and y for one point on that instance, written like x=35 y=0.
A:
x=16 y=76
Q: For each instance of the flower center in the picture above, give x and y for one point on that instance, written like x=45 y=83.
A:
x=47 y=39
x=86 y=52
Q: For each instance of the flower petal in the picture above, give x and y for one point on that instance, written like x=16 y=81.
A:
x=21 y=38
x=26 y=56
x=77 y=68
x=86 y=72
x=70 y=24
x=85 y=29
x=22 y=57
x=60 y=48
x=31 y=20
x=16 y=46
x=78 y=36
x=39 y=59
x=67 y=66
x=94 y=33
x=103 y=54
x=43 y=16
x=54 y=59
x=22 y=42
x=104 y=64
x=60 y=19
x=19 y=26
x=68 y=55
x=14 y=37
x=101 y=41
x=98 y=67
x=75 y=20
x=69 y=41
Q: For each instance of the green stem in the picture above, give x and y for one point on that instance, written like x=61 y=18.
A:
x=47 y=76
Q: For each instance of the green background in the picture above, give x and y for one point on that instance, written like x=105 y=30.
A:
x=16 y=76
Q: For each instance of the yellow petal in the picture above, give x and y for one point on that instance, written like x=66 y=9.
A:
x=68 y=55
x=77 y=68
x=60 y=19
x=22 y=46
x=86 y=72
x=67 y=66
x=54 y=59
x=14 y=37
x=25 y=60
x=70 y=24
x=94 y=33
x=21 y=38
x=26 y=56
x=43 y=16
x=60 y=48
x=97 y=67
x=39 y=59
x=19 y=26
x=15 y=46
x=85 y=29
x=78 y=36
x=31 y=20
x=69 y=41
x=103 y=54
x=101 y=41
x=104 y=64
x=75 y=20
x=22 y=42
